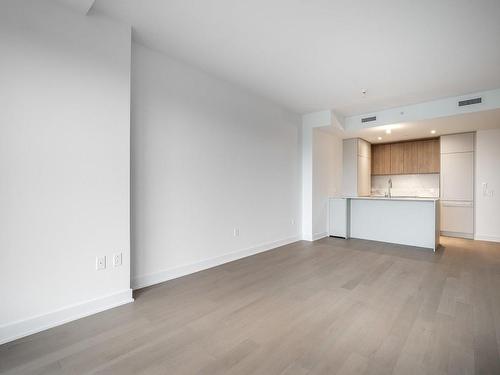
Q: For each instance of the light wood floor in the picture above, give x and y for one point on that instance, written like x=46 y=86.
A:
x=328 y=307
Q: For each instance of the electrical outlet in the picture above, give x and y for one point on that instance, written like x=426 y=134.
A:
x=486 y=191
x=100 y=263
x=236 y=232
x=117 y=260
x=292 y=221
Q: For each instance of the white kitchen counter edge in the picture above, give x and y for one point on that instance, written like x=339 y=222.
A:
x=417 y=199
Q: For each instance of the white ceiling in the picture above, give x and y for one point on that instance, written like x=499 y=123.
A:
x=312 y=55
x=422 y=129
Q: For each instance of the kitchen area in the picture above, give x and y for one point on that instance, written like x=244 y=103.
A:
x=406 y=192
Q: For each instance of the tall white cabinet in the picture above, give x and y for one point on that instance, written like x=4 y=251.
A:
x=457 y=185
x=356 y=178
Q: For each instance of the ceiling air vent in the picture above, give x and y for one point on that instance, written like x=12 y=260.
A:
x=369 y=119
x=461 y=103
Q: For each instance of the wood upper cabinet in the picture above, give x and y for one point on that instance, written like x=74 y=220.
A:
x=410 y=157
x=397 y=158
x=406 y=157
x=428 y=156
x=381 y=159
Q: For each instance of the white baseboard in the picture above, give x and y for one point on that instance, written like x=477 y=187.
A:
x=468 y=236
x=173 y=273
x=484 y=237
x=307 y=237
x=314 y=237
x=25 y=327
x=318 y=236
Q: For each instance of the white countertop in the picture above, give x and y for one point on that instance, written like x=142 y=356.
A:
x=418 y=199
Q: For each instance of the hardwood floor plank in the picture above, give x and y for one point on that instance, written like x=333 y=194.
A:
x=323 y=307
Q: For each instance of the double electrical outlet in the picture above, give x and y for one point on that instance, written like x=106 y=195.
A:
x=487 y=192
x=100 y=262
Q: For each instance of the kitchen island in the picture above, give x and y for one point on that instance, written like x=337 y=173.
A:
x=400 y=220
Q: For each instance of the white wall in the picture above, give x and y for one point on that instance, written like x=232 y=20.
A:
x=64 y=164
x=207 y=157
x=488 y=171
x=307 y=181
x=327 y=177
x=310 y=121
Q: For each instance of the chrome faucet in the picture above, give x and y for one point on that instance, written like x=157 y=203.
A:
x=389 y=187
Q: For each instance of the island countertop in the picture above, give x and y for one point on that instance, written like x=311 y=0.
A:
x=410 y=221
x=430 y=199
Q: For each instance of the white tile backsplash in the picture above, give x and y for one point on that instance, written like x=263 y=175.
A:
x=408 y=185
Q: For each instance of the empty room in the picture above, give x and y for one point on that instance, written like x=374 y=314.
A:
x=249 y=187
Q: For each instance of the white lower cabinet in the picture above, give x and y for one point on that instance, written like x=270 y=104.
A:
x=457 y=219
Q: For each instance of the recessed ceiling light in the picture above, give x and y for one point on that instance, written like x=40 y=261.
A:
x=379 y=138
x=387 y=131
x=433 y=132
